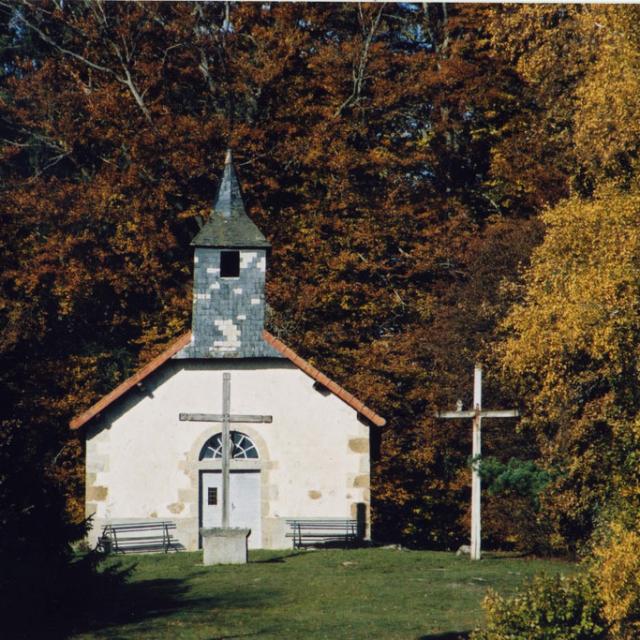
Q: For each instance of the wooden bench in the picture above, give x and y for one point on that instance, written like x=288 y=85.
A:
x=139 y=537
x=326 y=532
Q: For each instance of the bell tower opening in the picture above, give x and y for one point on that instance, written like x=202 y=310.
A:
x=229 y=264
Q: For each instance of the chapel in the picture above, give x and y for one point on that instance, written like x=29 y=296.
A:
x=309 y=459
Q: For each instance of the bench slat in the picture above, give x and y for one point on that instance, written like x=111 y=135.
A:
x=322 y=530
x=160 y=523
x=148 y=540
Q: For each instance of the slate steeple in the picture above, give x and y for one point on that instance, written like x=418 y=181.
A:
x=230 y=259
x=229 y=225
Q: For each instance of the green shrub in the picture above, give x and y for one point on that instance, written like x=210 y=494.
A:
x=557 y=608
x=522 y=477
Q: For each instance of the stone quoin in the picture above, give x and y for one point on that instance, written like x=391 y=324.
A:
x=310 y=459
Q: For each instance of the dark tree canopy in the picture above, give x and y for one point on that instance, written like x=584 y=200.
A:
x=397 y=157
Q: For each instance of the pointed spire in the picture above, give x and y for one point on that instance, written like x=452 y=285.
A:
x=228 y=201
x=229 y=225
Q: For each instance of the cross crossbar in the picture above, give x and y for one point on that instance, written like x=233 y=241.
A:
x=218 y=417
x=498 y=413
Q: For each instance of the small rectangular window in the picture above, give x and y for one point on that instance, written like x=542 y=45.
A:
x=212 y=496
x=229 y=264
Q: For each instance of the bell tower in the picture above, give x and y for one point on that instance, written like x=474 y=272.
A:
x=230 y=263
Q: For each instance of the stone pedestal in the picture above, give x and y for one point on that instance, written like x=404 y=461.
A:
x=224 y=546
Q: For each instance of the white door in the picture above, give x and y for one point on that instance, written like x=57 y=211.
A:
x=244 y=493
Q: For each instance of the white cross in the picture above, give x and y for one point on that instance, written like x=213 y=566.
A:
x=477 y=414
x=226 y=418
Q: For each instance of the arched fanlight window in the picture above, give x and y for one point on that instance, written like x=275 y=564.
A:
x=242 y=447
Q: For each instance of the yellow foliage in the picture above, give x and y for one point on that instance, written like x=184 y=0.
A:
x=581 y=293
x=617 y=575
x=607 y=125
x=571 y=345
x=582 y=62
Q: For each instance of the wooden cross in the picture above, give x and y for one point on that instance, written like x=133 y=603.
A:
x=476 y=414
x=226 y=417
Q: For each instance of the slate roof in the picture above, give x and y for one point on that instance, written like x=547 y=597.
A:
x=229 y=226
x=102 y=404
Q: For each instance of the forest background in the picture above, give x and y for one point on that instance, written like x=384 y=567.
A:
x=441 y=184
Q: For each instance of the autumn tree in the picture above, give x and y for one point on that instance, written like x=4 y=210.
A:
x=572 y=347
x=570 y=342
x=372 y=142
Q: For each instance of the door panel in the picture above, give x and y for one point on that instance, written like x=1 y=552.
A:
x=244 y=493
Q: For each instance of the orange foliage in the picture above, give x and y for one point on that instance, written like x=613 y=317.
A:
x=364 y=138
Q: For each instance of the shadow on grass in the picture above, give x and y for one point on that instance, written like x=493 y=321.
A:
x=148 y=605
x=278 y=559
x=132 y=603
x=508 y=555
x=447 y=635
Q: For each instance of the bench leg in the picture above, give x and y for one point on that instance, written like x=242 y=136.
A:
x=116 y=548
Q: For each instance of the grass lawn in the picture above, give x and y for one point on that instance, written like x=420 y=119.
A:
x=333 y=594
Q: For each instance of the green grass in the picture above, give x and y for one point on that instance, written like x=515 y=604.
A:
x=332 y=594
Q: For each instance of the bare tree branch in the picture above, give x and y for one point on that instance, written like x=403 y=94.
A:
x=204 y=67
x=50 y=41
x=126 y=79
x=359 y=70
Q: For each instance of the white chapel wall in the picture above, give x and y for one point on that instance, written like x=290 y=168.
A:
x=142 y=461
